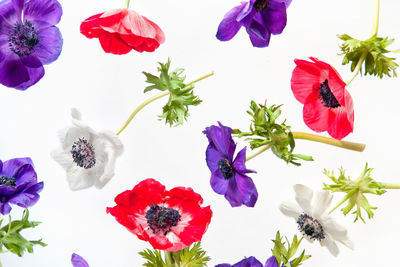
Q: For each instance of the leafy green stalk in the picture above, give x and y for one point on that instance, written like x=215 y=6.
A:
x=284 y=254
x=11 y=239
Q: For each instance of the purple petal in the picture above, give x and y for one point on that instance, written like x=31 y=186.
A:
x=220 y=137
x=271 y=262
x=5 y=208
x=233 y=194
x=18 y=5
x=35 y=74
x=230 y=25
x=248 y=262
x=25 y=174
x=212 y=157
x=8 y=17
x=31 y=61
x=13 y=72
x=247 y=189
x=258 y=32
x=24 y=200
x=275 y=17
x=223 y=265
x=218 y=183
x=7 y=191
x=247 y=12
x=78 y=261
x=43 y=13
x=239 y=162
x=286 y=2
x=12 y=166
x=35 y=189
x=50 y=45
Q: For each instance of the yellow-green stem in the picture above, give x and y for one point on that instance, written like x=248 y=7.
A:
x=261 y=150
x=358 y=67
x=151 y=99
x=329 y=141
x=375 y=23
x=169 y=259
x=390 y=186
x=344 y=199
x=127 y=3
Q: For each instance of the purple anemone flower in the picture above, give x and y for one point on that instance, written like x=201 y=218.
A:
x=28 y=40
x=78 y=261
x=272 y=262
x=18 y=184
x=247 y=262
x=261 y=18
x=228 y=175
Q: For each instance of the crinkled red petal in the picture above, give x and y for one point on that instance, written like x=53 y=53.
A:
x=315 y=114
x=112 y=43
x=342 y=121
x=305 y=77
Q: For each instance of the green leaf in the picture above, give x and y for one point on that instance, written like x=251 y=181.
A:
x=284 y=254
x=181 y=96
x=373 y=51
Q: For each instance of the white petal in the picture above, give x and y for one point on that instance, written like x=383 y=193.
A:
x=76 y=114
x=79 y=178
x=331 y=245
x=290 y=209
x=62 y=158
x=321 y=203
x=70 y=135
x=330 y=226
x=114 y=140
x=304 y=195
x=348 y=243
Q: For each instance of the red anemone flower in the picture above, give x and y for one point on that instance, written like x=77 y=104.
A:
x=169 y=220
x=121 y=30
x=327 y=104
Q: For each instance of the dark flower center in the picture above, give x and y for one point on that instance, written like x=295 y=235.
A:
x=8 y=180
x=260 y=5
x=83 y=153
x=162 y=219
x=23 y=38
x=310 y=227
x=326 y=96
x=225 y=168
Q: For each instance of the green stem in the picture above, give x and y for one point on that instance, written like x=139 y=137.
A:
x=266 y=147
x=169 y=259
x=151 y=99
x=358 y=67
x=329 y=141
x=344 y=199
x=127 y=3
x=390 y=186
x=375 y=23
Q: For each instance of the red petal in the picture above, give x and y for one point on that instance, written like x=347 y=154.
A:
x=343 y=120
x=305 y=77
x=315 y=114
x=112 y=43
x=90 y=27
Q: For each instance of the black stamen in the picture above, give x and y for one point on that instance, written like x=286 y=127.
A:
x=326 y=96
x=310 y=227
x=260 y=5
x=83 y=153
x=225 y=168
x=23 y=38
x=162 y=219
x=8 y=180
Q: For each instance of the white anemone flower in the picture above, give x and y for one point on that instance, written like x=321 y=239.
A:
x=313 y=220
x=87 y=156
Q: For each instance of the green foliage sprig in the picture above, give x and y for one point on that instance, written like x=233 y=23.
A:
x=192 y=256
x=265 y=131
x=181 y=95
x=371 y=52
x=11 y=239
x=284 y=254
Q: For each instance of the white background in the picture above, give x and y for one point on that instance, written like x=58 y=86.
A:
x=106 y=88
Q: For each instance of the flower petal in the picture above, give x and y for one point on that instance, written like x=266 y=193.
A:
x=218 y=183
x=35 y=74
x=342 y=122
x=8 y=17
x=112 y=43
x=247 y=188
x=78 y=261
x=258 y=32
x=305 y=78
x=230 y=25
x=248 y=262
x=43 y=13
x=212 y=157
x=331 y=245
x=5 y=208
x=315 y=114
x=50 y=45
x=13 y=72
x=321 y=203
x=290 y=209
x=221 y=138
x=271 y=262
x=304 y=196
x=275 y=17
x=239 y=162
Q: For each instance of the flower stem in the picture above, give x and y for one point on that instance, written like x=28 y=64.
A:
x=169 y=259
x=266 y=147
x=390 y=186
x=344 y=199
x=375 y=23
x=329 y=141
x=358 y=67
x=127 y=3
x=151 y=99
